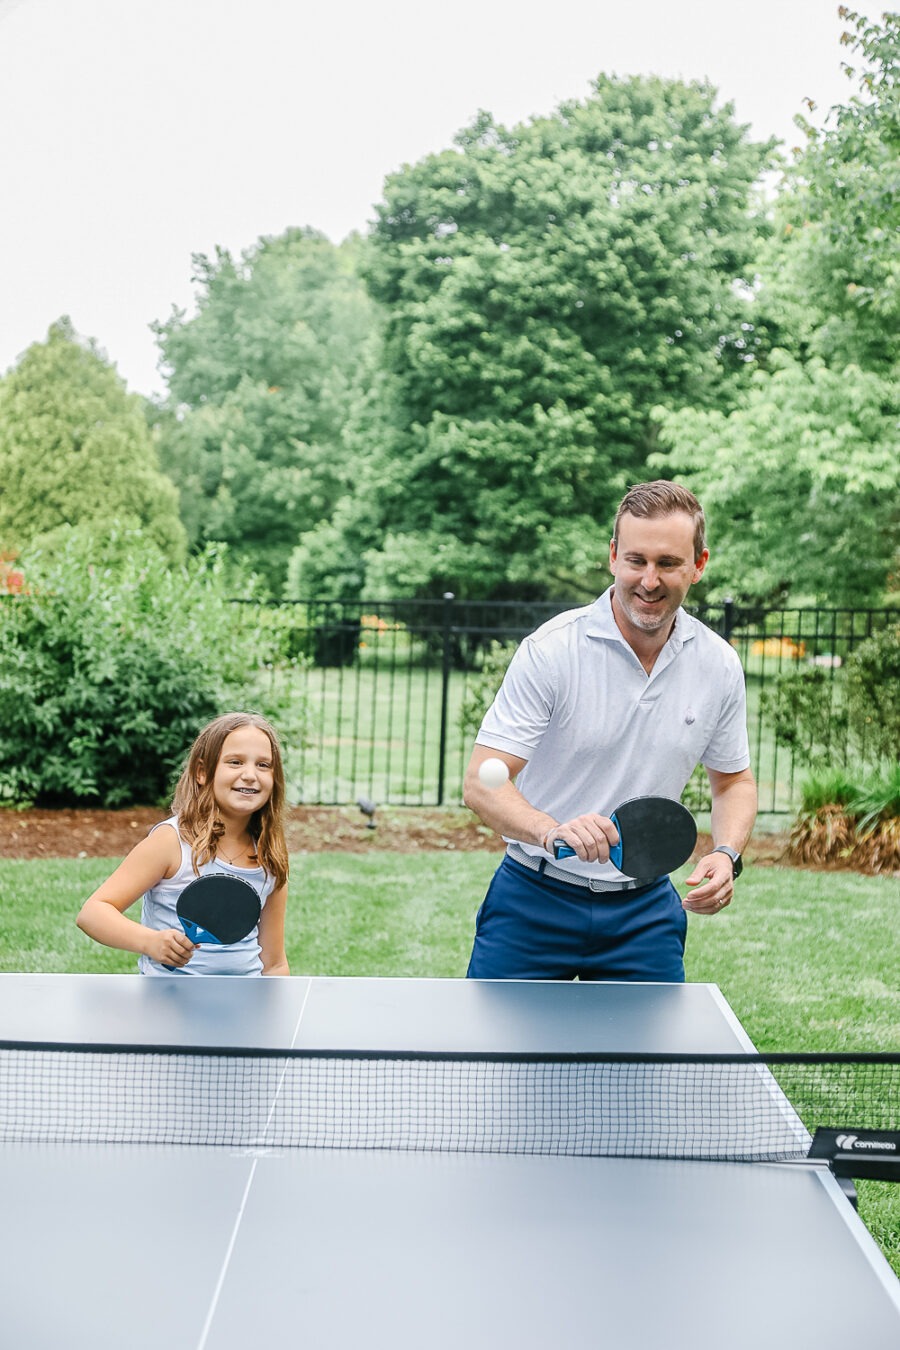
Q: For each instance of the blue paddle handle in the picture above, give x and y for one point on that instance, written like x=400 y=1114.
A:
x=562 y=850
x=198 y=934
x=615 y=853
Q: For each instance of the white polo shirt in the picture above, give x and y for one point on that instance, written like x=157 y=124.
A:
x=597 y=730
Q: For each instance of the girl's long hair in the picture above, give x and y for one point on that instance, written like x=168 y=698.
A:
x=194 y=802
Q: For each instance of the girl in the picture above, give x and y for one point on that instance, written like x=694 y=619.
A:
x=227 y=817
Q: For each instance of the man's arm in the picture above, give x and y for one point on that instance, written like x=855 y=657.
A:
x=734 y=804
x=505 y=810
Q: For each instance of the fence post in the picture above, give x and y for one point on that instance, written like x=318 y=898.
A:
x=446 y=664
x=728 y=618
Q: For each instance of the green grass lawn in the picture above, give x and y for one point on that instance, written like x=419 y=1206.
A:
x=808 y=961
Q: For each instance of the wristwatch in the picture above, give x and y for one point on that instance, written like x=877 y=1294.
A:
x=737 y=862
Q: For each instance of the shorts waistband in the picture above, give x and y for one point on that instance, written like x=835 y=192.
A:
x=595 y=884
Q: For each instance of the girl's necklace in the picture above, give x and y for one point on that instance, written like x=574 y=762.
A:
x=240 y=854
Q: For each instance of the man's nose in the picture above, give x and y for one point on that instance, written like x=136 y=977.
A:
x=650 y=577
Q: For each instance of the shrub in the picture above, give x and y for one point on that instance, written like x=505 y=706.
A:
x=814 y=712
x=480 y=690
x=110 y=666
x=877 y=799
x=850 y=820
x=873 y=693
x=832 y=787
x=806 y=714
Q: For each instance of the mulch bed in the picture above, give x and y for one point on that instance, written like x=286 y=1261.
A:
x=42 y=833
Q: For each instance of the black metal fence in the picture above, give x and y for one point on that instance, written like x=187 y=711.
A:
x=391 y=691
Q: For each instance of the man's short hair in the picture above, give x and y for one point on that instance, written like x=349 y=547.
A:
x=650 y=500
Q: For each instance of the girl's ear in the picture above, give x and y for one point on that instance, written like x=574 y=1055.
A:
x=201 y=775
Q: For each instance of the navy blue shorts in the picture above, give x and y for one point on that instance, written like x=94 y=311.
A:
x=531 y=927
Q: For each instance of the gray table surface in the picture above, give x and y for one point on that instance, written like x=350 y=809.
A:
x=215 y=1248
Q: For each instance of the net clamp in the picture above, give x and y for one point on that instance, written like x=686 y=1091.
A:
x=868 y=1155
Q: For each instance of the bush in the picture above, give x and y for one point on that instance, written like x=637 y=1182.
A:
x=854 y=821
x=815 y=712
x=481 y=690
x=110 y=666
x=832 y=787
x=873 y=693
x=807 y=716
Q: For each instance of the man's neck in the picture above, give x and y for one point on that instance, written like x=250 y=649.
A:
x=646 y=645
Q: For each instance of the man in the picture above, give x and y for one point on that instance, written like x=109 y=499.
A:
x=620 y=699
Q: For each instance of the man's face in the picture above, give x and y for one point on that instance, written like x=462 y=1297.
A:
x=654 y=568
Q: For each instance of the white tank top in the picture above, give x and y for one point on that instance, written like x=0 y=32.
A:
x=210 y=958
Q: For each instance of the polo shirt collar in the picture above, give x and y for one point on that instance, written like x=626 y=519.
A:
x=602 y=624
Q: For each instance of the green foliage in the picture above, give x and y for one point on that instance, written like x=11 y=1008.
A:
x=873 y=692
x=814 y=712
x=877 y=798
x=261 y=381
x=799 y=483
x=851 y=818
x=807 y=716
x=482 y=688
x=831 y=276
x=544 y=287
x=801 y=479
x=328 y=563
x=110 y=666
x=75 y=449
x=831 y=787
x=696 y=794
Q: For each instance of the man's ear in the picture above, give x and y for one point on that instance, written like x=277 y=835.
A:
x=700 y=565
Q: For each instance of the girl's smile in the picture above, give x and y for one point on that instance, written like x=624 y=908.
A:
x=244 y=774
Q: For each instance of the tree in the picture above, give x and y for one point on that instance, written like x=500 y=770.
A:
x=799 y=484
x=831 y=275
x=544 y=287
x=75 y=448
x=259 y=384
x=801 y=478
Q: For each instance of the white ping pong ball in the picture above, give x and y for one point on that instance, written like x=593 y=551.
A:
x=493 y=773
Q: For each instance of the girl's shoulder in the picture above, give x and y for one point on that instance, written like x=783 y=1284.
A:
x=170 y=821
x=165 y=837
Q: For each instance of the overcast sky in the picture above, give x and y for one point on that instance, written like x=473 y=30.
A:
x=134 y=133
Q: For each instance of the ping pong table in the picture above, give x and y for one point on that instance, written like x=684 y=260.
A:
x=212 y=1247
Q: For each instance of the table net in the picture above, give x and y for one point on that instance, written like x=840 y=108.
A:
x=728 y=1107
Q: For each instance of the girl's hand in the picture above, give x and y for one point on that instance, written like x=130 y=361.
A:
x=170 y=947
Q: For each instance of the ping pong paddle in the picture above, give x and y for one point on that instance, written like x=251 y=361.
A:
x=218 y=908
x=656 y=835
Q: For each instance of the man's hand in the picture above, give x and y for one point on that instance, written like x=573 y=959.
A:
x=591 y=836
x=713 y=878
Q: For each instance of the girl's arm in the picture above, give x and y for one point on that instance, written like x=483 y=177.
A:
x=271 y=934
x=103 y=918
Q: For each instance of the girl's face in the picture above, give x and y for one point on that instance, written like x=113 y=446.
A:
x=244 y=775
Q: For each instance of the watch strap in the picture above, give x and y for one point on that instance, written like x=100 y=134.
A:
x=737 y=864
